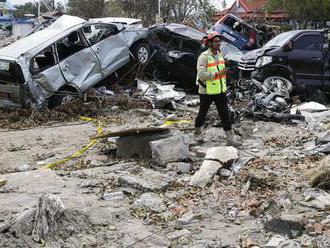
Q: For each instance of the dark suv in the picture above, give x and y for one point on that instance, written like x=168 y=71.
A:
x=300 y=57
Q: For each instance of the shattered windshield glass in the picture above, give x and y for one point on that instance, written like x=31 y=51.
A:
x=280 y=39
x=230 y=52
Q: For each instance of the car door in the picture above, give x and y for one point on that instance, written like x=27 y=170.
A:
x=306 y=60
x=79 y=64
x=107 y=43
x=45 y=71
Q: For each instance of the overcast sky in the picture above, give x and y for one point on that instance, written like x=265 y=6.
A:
x=217 y=3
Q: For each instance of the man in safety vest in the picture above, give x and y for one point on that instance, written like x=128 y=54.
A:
x=211 y=79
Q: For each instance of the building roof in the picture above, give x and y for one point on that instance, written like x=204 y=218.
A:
x=7 y=6
x=252 y=8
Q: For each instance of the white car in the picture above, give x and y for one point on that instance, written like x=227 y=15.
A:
x=68 y=57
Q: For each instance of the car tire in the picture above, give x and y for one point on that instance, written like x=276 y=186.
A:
x=273 y=79
x=141 y=53
x=59 y=98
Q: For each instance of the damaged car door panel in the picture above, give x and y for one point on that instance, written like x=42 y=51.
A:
x=300 y=56
x=68 y=57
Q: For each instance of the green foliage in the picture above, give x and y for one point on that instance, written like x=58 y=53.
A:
x=86 y=8
x=303 y=10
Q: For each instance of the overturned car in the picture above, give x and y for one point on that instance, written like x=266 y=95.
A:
x=66 y=58
x=175 y=49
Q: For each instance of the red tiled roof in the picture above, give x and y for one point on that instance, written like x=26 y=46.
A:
x=252 y=5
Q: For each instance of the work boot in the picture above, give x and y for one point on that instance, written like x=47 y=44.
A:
x=230 y=139
x=197 y=131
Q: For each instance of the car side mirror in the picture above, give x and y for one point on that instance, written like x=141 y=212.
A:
x=326 y=46
x=328 y=24
x=288 y=46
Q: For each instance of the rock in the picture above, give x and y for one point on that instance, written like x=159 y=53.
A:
x=179 y=167
x=290 y=225
x=111 y=196
x=221 y=154
x=169 y=150
x=150 y=201
x=178 y=234
x=2 y=182
x=323 y=140
x=145 y=180
x=205 y=173
x=115 y=108
x=186 y=219
x=172 y=117
x=156 y=113
x=290 y=244
x=275 y=241
x=215 y=159
x=137 y=146
x=225 y=172
x=23 y=167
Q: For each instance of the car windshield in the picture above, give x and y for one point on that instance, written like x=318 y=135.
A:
x=230 y=52
x=280 y=39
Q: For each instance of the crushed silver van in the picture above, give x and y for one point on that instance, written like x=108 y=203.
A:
x=68 y=57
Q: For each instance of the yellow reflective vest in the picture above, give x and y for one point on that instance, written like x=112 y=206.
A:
x=218 y=84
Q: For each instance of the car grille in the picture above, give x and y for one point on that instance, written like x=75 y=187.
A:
x=247 y=64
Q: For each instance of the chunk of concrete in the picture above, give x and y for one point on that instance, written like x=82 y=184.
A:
x=275 y=241
x=215 y=159
x=221 y=154
x=145 y=180
x=205 y=173
x=323 y=140
x=151 y=202
x=179 y=167
x=137 y=146
x=169 y=150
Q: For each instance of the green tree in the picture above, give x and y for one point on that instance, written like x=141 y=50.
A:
x=302 y=10
x=86 y=8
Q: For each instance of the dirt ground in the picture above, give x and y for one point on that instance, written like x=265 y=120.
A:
x=218 y=215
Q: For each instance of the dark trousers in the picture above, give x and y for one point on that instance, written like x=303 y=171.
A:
x=221 y=103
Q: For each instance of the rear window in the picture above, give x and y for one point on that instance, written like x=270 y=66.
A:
x=10 y=72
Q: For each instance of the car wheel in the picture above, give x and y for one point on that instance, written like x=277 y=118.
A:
x=141 y=53
x=278 y=84
x=60 y=98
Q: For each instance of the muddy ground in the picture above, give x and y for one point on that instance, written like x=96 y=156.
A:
x=278 y=201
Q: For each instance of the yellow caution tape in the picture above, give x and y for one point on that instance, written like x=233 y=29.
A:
x=169 y=123
x=78 y=153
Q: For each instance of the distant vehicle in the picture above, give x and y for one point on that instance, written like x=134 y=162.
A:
x=298 y=57
x=68 y=57
x=237 y=32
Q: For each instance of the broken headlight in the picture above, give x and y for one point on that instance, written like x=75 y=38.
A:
x=264 y=60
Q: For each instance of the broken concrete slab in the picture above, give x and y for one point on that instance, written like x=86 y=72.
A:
x=215 y=159
x=169 y=150
x=323 y=140
x=205 y=173
x=145 y=180
x=137 y=146
x=222 y=154
x=275 y=241
x=151 y=202
x=179 y=167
